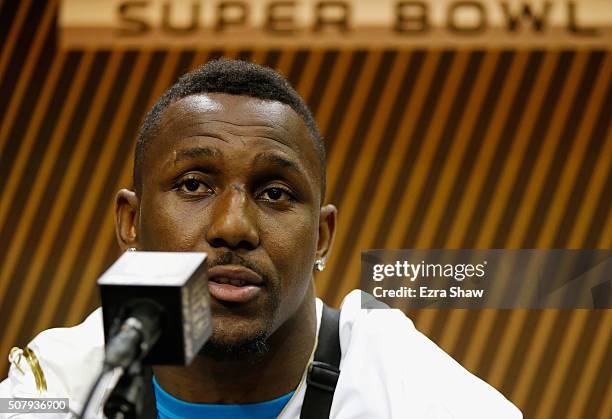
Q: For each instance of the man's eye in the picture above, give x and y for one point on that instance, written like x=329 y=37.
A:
x=193 y=186
x=276 y=194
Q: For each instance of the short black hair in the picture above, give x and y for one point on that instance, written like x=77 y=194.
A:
x=233 y=77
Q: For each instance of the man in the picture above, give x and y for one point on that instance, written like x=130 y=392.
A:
x=230 y=162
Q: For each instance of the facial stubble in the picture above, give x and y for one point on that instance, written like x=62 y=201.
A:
x=251 y=344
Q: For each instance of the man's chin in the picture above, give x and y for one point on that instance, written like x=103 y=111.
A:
x=240 y=331
x=246 y=348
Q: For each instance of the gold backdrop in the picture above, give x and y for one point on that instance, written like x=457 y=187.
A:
x=427 y=149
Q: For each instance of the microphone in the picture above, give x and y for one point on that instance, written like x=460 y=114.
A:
x=156 y=311
x=155 y=307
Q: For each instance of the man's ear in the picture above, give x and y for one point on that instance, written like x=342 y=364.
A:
x=327 y=231
x=126 y=218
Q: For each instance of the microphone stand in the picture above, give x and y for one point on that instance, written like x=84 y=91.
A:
x=125 y=401
x=123 y=355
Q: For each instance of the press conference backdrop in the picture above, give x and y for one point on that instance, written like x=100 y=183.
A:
x=428 y=148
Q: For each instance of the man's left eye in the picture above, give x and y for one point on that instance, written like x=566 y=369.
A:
x=275 y=194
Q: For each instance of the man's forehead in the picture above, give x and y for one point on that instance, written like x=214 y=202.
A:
x=241 y=111
x=220 y=114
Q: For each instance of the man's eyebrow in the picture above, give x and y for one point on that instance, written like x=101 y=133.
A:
x=280 y=161
x=194 y=152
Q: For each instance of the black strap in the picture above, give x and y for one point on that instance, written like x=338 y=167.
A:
x=324 y=370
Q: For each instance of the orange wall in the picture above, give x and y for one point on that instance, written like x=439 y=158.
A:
x=427 y=149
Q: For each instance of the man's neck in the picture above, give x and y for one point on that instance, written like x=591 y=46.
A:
x=275 y=374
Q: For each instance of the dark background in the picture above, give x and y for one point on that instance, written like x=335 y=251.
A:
x=433 y=148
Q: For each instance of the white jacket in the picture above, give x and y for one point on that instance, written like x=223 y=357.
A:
x=388 y=370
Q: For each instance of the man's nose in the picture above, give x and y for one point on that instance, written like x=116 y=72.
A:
x=233 y=225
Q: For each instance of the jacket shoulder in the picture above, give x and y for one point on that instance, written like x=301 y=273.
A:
x=68 y=358
x=385 y=357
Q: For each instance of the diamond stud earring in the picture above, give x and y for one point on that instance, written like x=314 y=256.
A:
x=320 y=265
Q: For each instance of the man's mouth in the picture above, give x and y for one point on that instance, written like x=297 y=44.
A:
x=234 y=283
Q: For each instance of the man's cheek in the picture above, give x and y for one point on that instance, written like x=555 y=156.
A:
x=168 y=227
x=303 y=243
x=294 y=254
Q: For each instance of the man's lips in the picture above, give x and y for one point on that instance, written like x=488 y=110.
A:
x=234 y=283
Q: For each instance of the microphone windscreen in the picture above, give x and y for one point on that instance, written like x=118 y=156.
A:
x=175 y=281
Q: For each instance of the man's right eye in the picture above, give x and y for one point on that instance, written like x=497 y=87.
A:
x=192 y=186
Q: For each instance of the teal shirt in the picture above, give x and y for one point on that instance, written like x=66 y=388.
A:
x=169 y=407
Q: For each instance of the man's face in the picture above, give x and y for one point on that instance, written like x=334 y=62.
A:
x=238 y=178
